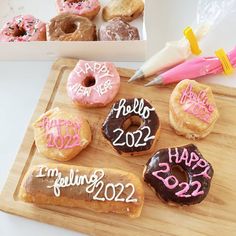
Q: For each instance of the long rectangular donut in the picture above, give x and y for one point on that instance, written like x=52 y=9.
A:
x=96 y=189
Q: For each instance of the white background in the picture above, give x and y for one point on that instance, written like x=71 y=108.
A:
x=21 y=84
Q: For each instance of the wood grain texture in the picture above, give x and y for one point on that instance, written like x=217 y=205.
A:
x=216 y=215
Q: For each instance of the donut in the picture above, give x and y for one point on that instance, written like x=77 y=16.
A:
x=97 y=189
x=61 y=136
x=117 y=30
x=23 y=28
x=86 y=8
x=93 y=84
x=125 y=114
x=192 y=180
x=192 y=109
x=128 y=10
x=69 y=27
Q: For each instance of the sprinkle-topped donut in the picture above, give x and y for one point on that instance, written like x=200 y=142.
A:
x=159 y=174
x=127 y=113
x=86 y=8
x=93 y=84
x=23 y=29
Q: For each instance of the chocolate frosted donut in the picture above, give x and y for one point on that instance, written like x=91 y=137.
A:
x=118 y=30
x=125 y=114
x=159 y=174
x=69 y=27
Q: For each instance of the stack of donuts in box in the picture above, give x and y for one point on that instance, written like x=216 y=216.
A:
x=61 y=136
x=74 y=22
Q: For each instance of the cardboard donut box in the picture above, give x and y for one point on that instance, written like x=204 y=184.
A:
x=51 y=50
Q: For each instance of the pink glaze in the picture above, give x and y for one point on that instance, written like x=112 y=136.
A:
x=107 y=83
x=33 y=28
x=79 y=8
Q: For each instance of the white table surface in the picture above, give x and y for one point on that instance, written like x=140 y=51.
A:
x=21 y=84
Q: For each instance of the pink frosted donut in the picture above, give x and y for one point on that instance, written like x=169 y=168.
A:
x=93 y=84
x=86 y=8
x=23 y=29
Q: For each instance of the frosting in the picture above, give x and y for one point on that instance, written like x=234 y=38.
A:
x=137 y=107
x=22 y=29
x=78 y=7
x=196 y=104
x=94 y=184
x=136 y=141
x=190 y=159
x=54 y=136
x=159 y=173
x=105 y=78
x=118 y=30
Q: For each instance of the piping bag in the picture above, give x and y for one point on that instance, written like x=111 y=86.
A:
x=209 y=14
x=195 y=68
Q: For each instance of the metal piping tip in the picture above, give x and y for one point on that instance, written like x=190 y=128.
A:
x=138 y=75
x=156 y=81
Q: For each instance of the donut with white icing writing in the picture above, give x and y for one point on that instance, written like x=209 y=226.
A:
x=171 y=187
x=126 y=113
x=93 y=84
x=23 y=28
x=97 y=189
x=117 y=30
x=86 y=8
x=193 y=111
x=61 y=136
x=70 y=27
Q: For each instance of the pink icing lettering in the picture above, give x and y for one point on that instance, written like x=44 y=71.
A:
x=197 y=191
x=204 y=173
x=193 y=158
x=184 y=156
x=197 y=104
x=201 y=163
x=176 y=155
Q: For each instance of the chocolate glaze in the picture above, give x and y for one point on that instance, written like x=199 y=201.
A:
x=117 y=30
x=111 y=123
x=162 y=156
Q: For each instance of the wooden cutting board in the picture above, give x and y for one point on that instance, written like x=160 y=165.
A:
x=216 y=215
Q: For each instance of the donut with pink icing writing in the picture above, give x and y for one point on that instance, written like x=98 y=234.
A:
x=93 y=84
x=23 y=28
x=190 y=185
x=86 y=8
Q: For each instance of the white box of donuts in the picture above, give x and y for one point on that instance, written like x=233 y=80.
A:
x=98 y=33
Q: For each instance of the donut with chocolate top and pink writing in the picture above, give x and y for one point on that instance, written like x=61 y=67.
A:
x=132 y=127
x=193 y=112
x=179 y=175
x=60 y=135
x=93 y=84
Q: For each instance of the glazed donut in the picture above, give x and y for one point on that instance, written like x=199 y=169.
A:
x=158 y=173
x=93 y=84
x=100 y=190
x=61 y=136
x=86 y=8
x=127 y=113
x=23 y=29
x=117 y=30
x=69 y=27
x=193 y=110
x=128 y=10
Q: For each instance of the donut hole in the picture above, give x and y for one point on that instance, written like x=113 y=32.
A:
x=179 y=173
x=69 y=27
x=19 y=32
x=89 y=81
x=132 y=124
